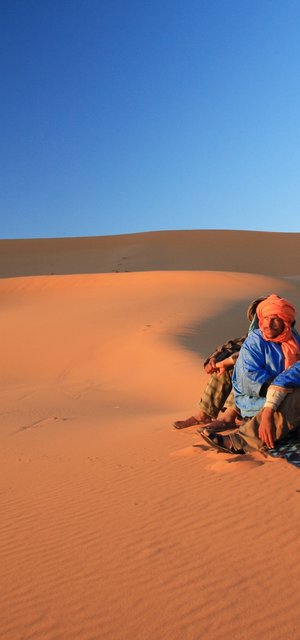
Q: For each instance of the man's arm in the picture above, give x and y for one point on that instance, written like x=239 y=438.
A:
x=289 y=378
x=281 y=385
x=227 y=363
x=226 y=350
x=274 y=398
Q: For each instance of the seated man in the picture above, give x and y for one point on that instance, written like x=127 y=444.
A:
x=217 y=395
x=266 y=381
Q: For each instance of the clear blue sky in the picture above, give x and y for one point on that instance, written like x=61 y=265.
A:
x=121 y=116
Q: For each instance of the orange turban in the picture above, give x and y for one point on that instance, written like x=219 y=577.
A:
x=275 y=306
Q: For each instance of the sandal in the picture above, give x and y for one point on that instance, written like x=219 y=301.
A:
x=183 y=424
x=217 y=442
x=218 y=425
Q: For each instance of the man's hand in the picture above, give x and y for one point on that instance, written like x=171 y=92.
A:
x=266 y=429
x=225 y=364
x=210 y=367
x=219 y=367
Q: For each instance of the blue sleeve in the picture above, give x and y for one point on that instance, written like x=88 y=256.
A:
x=289 y=378
x=250 y=370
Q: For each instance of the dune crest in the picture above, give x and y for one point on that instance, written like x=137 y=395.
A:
x=242 y=251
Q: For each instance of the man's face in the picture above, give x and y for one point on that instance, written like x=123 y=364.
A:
x=272 y=326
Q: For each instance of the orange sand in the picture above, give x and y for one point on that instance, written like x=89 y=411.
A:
x=112 y=525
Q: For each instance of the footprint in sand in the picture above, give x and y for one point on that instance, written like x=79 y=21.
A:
x=41 y=422
x=119 y=268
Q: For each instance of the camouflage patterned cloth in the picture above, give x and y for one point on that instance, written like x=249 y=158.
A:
x=229 y=348
x=217 y=394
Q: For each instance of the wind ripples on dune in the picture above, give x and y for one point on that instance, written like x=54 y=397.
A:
x=114 y=526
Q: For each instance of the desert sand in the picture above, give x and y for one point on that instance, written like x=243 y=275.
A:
x=113 y=525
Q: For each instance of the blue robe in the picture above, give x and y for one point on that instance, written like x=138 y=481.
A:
x=260 y=361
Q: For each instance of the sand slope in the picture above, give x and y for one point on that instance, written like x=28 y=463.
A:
x=242 y=251
x=112 y=524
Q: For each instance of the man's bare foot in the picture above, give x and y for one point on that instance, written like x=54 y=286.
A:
x=229 y=415
x=183 y=424
x=200 y=418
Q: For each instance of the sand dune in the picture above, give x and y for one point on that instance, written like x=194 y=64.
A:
x=113 y=525
x=241 y=251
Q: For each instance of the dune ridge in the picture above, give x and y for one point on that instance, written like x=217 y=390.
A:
x=242 y=251
x=113 y=525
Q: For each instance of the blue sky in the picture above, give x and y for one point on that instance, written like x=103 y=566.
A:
x=122 y=116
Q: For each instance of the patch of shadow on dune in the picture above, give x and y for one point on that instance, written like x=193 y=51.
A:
x=202 y=340
x=204 y=336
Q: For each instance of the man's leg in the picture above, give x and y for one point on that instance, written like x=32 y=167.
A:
x=286 y=418
x=231 y=412
x=215 y=394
